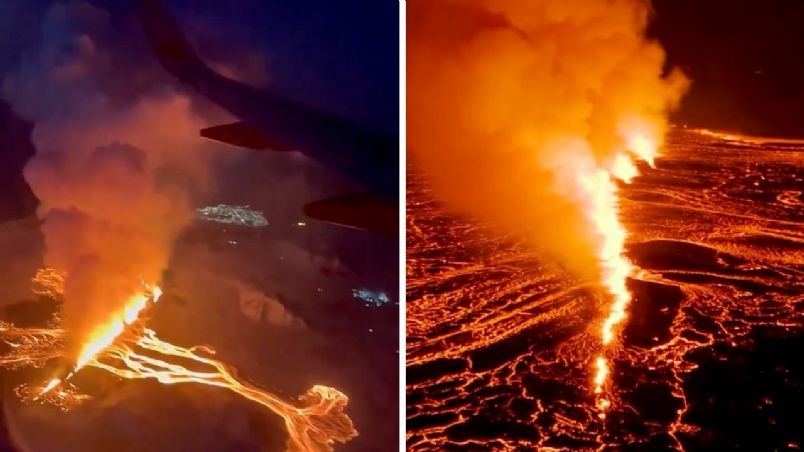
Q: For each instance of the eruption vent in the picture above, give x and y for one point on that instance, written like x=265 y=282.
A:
x=527 y=114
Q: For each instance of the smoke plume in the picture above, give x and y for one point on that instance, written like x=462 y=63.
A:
x=117 y=160
x=510 y=100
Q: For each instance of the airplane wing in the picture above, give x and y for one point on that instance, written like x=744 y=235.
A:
x=243 y=135
x=359 y=211
x=268 y=121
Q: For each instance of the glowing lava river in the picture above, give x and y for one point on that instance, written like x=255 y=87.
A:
x=502 y=348
x=126 y=348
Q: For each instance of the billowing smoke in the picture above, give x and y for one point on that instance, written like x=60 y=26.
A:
x=118 y=157
x=509 y=101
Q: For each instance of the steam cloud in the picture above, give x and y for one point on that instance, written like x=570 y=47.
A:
x=507 y=99
x=117 y=160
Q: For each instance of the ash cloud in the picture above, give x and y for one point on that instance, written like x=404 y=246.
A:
x=508 y=99
x=118 y=159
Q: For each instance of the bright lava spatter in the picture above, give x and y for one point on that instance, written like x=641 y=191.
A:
x=126 y=348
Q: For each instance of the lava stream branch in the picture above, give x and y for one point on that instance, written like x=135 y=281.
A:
x=311 y=427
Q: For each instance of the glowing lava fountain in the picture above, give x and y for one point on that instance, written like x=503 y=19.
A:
x=126 y=348
x=600 y=199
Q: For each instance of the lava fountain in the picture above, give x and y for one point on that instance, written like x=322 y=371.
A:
x=593 y=188
x=616 y=267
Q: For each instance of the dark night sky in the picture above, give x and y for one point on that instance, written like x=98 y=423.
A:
x=746 y=60
x=341 y=55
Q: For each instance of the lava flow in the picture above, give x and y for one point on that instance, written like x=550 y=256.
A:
x=127 y=349
x=501 y=344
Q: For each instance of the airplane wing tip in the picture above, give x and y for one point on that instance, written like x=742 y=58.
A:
x=363 y=211
x=243 y=135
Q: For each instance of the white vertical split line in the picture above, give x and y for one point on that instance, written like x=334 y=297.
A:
x=402 y=206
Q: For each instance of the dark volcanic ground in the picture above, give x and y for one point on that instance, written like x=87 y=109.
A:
x=500 y=344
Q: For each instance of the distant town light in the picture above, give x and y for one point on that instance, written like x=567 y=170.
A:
x=238 y=215
x=371 y=298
